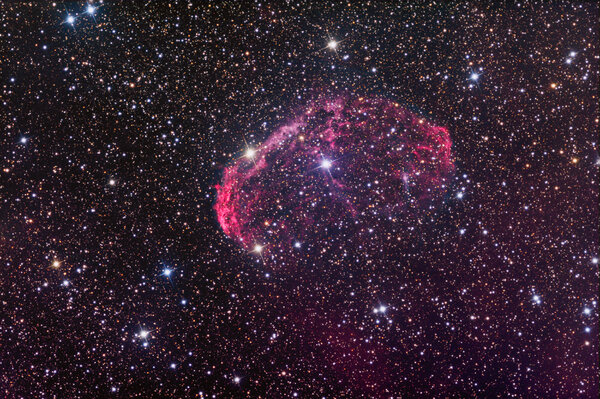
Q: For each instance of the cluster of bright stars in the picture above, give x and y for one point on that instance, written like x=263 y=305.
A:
x=90 y=10
x=572 y=55
x=586 y=311
x=144 y=334
x=380 y=309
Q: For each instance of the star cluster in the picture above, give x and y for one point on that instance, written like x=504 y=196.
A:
x=123 y=273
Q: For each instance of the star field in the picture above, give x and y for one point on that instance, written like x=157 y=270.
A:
x=460 y=266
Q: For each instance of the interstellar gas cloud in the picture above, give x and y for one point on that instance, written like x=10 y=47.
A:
x=331 y=175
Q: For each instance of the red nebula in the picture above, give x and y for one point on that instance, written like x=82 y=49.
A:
x=337 y=167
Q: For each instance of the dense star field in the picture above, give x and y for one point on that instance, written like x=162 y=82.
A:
x=304 y=199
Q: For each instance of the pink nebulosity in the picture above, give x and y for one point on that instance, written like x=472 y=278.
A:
x=339 y=167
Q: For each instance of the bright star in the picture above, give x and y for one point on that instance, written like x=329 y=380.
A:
x=144 y=334
x=250 y=153
x=70 y=19
x=167 y=272
x=258 y=248
x=90 y=9
x=332 y=45
x=380 y=309
x=326 y=163
x=474 y=76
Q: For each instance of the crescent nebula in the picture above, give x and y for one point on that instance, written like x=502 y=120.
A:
x=339 y=170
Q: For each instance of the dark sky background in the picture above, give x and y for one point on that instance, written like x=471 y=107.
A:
x=117 y=281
